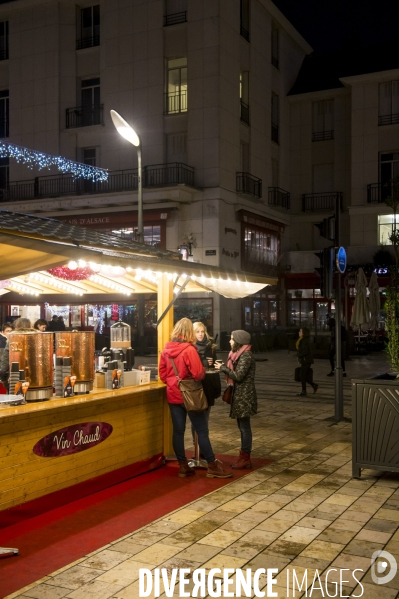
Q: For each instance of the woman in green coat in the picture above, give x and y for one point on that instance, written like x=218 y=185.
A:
x=240 y=373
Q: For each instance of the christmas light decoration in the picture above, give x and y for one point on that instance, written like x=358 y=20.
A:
x=53 y=282
x=69 y=274
x=33 y=158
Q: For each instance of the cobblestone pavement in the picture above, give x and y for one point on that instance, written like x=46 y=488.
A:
x=302 y=512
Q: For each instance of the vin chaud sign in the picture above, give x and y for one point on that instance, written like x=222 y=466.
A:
x=72 y=439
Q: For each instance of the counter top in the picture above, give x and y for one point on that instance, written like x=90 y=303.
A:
x=67 y=402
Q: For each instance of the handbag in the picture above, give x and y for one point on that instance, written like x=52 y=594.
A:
x=227 y=396
x=194 y=398
x=309 y=375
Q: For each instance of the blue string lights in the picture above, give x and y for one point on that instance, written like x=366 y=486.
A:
x=32 y=158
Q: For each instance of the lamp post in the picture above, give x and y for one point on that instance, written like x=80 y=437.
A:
x=126 y=131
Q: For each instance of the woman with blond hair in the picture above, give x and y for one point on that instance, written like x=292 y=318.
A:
x=182 y=351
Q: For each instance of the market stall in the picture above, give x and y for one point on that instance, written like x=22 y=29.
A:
x=100 y=435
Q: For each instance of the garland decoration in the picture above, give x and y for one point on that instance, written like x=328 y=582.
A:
x=69 y=274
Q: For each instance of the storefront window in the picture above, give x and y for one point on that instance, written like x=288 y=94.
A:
x=197 y=310
x=260 y=246
x=387 y=223
x=152 y=234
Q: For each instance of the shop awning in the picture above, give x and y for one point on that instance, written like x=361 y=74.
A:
x=30 y=245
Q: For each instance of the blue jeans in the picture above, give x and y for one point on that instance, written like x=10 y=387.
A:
x=198 y=419
x=244 y=424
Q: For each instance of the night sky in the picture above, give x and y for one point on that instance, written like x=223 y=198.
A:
x=329 y=25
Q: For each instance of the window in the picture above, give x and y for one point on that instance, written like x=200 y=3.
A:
x=323 y=120
x=176 y=148
x=389 y=170
x=275 y=118
x=244 y=19
x=388 y=110
x=91 y=108
x=152 y=234
x=244 y=157
x=4 y=173
x=275 y=53
x=176 y=95
x=89 y=157
x=4 y=114
x=176 y=12
x=387 y=224
x=261 y=247
x=89 y=27
x=4 y=40
x=244 y=97
x=323 y=178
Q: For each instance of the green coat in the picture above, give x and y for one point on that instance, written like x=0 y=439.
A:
x=244 y=402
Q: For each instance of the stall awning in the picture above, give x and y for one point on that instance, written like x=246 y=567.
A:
x=29 y=245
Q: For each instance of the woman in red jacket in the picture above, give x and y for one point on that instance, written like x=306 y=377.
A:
x=188 y=364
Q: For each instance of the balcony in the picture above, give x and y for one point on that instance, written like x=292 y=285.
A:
x=175 y=19
x=157 y=175
x=388 y=119
x=244 y=113
x=320 y=201
x=322 y=135
x=88 y=42
x=84 y=116
x=279 y=197
x=176 y=102
x=246 y=184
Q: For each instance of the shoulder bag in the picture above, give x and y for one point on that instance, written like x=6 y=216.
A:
x=192 y=391
x=228 y=394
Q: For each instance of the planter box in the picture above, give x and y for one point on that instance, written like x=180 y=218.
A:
x=375 y=425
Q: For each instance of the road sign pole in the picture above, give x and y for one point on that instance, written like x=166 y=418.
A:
x=338 y=380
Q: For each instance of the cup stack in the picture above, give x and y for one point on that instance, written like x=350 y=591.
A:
x=66 y=371
x=14 y=376
x=58 y=381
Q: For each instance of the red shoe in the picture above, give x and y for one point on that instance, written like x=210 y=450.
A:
x=244 y=461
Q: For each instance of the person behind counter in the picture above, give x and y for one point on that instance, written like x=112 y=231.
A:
x=240 y=373
x=6 y=329
x=21 y=325
x=40 y=325
x=188 y=364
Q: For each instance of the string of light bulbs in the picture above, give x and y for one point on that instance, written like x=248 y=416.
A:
x=33 y=158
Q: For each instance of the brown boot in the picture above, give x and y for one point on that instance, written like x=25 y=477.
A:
x=185 y=470
x=215 y=470
x=244 y=461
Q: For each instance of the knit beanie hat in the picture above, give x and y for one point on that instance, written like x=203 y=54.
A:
x=241 y=337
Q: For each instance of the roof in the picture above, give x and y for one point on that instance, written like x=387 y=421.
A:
x=322 y=71
x=30 y=244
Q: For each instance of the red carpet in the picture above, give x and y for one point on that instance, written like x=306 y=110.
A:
x=58 y=537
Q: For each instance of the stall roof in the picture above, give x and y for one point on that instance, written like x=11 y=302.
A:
x=29 y=244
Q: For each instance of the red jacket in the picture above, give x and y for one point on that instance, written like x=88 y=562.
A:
x=187 y=362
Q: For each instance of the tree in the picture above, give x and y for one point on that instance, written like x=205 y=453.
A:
x=392 y=295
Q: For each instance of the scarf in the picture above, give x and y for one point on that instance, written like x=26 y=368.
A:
x=201 y=347
x=233 y=359
x=298 y=342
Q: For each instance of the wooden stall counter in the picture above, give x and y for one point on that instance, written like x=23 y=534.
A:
x=74 y=446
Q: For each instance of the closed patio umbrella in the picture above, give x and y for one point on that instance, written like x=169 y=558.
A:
x=374 y=301
x=361 y=310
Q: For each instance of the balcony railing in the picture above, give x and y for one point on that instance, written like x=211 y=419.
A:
x=248 y=185
x=175 y=19
x=388 y=119
x=320 y=201
x=156 y=175
x=84 y=116
x=176 y=102
x=275 y=133
x=279 y=197
x=244 y=113
x=322 y=135
x=88 y=42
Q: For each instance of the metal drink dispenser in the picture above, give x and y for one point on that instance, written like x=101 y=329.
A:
x=79 y=346
x=121 y=340
x=34 y=354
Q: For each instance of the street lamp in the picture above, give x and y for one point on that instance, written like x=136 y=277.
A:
x=130 y=134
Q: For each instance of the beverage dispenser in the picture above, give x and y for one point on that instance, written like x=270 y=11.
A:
x=121 y=344
x=33 y=352
x=79 y=346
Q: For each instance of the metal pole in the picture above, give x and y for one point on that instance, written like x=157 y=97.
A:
x=140 y=228
x=338 y=380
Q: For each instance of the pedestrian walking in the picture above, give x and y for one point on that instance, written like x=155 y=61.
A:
x=240 y=372
x=306 y=360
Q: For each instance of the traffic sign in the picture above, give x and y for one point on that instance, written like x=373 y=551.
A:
x=341 y=260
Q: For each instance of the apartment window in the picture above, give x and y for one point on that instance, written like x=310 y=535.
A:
x=176 y=95
x=275 y=118
x=89 y=157
x=176 y=12
x=89 y=27
x=261 y=247
x=275 y=40
x=387 y=224
x=4 y=114
x=244 y=157
x=91 y=107
x=4 y=40
x=388 y=110
x=244 y=96
x=323 y=178
x=244 y=19
x=4 y=173
x=176 y=148
x=389 y=170
x=323 y=120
